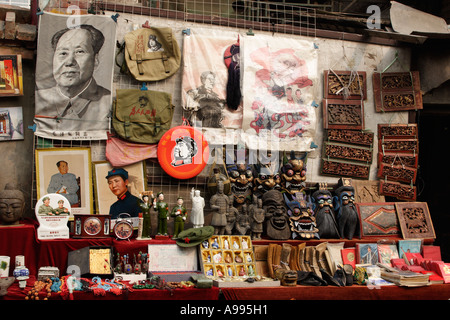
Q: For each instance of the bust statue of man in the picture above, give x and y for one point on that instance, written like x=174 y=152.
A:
x=12 y=205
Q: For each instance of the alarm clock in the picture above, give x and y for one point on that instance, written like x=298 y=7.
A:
x=123 y=229
x=92 y=226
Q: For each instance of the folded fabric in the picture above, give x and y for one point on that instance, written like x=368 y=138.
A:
x=121 y=153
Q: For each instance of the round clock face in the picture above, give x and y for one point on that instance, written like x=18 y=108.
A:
x=92 y=226
x=123 y=230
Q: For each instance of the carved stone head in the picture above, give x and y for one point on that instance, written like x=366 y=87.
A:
x=12 y=205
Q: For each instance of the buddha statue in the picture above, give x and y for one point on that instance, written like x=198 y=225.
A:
x=12 y=205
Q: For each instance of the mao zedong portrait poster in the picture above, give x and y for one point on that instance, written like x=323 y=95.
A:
x=74 y=72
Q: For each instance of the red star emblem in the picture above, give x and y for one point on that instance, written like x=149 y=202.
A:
x=186 y=240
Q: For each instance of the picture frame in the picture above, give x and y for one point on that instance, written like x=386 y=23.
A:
x=104 y=198
x=367 y=253
x=11 y=78
x=415 y=220
x=11 y=123
x=386 y=252
x=79 y=174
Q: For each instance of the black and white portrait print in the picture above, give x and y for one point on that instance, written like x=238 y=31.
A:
x=74 y=71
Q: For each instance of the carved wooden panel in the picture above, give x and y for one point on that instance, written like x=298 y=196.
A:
x=347 y=152
x=340 y=114
x=415 y=221
x=398 y=190
x=398 y=159
x=345 y=169
x=397 y=91
x=344 y=84
x=397 y=173
x=397 y=131
x=378 y=219
x=399 y=145
x=367 y=191
x=350 y=136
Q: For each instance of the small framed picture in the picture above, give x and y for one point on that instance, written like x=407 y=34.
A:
x=104 y=197
x=11 y=81
x=68 y=172
x=11 y=123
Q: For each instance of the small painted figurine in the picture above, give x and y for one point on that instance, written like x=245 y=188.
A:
x=145 y=206
x=162 y=208
x=219 y=205
x=198 y=203
x=243 y=222
x=179 y=213
x=257 y=216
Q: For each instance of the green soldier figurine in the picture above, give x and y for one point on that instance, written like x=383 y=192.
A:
x=180 y=214
x=163 y=209
x=145 y=206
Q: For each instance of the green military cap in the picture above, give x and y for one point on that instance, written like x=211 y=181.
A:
x=194 y=236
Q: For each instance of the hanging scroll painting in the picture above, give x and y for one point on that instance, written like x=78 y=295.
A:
x=74 y=68
x=205 y=79
x=279 y=82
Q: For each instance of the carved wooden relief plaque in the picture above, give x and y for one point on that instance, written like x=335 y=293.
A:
x=397 y=91
x=378 y=219
x=397 y=173
x=348 y=152
x=344 y=85
x=398 y=159
x=398 y=190
x=350 y=136
x=345 y=169
x=397 y=131
x=367 y=191
x=340 y=114
x=415 y=221
x=399 y=145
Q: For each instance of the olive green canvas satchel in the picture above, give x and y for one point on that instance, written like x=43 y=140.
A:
x=142 y=116
x=152 y=54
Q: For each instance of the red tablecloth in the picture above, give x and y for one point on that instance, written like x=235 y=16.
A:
x=20 y=240
x=355 y=292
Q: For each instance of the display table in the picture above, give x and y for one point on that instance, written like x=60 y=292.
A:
x=21 y=240
x=355 y=292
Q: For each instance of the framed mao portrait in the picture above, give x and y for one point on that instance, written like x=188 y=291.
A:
x=104 y=197
x=68 y=172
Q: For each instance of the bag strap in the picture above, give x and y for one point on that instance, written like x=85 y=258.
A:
x=139 y=52
x=165 y=60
